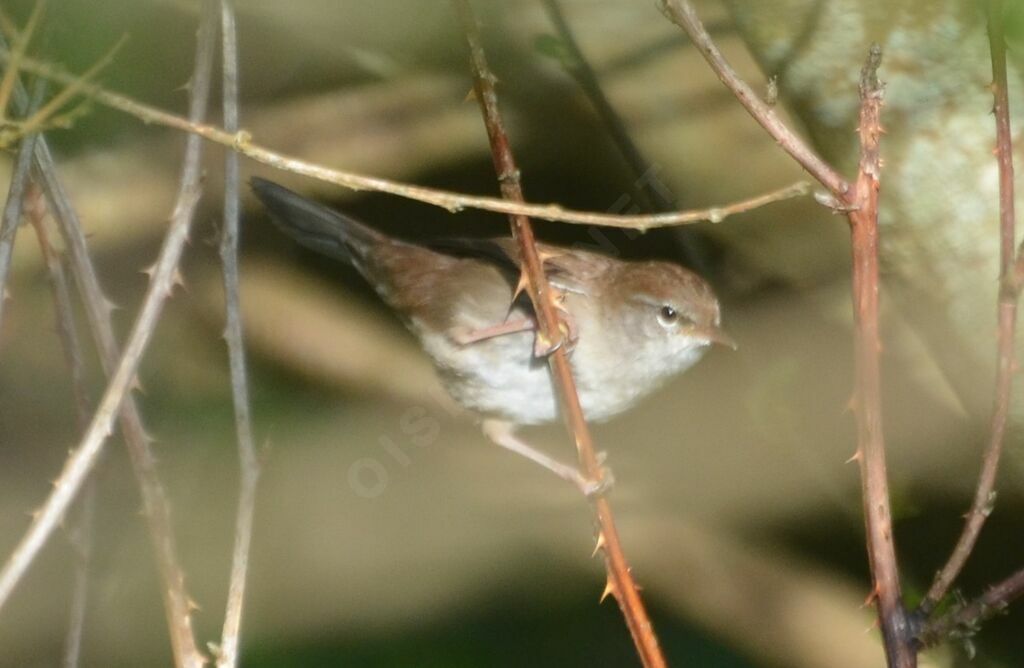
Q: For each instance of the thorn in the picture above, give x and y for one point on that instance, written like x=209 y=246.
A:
x=109 y=306
x=543 y=346
x=854 y=458
x=601 y=543
x=871 y=598
x=470 y=96
x=136 y=385
x=546 y=254
x=149 y=271
x=178 y=280
x=609 y=590
x=521 y=285
x=192 y=605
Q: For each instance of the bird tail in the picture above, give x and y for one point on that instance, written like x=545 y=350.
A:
x=316 y=226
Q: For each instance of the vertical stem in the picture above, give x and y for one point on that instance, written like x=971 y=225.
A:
x=620 y=580
x=248 y=463
x=80 y=533
x=15 y=197
x=1009 y=290
x=867 y=400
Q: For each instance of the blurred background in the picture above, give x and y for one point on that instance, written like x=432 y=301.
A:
x=389 y=532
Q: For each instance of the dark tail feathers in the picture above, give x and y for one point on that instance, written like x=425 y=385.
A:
x=314 y=225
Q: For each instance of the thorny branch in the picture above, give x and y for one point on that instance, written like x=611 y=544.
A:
x=620 y=580
x=242 y=142
x=861 y=203
x=1009 y=291
x=84 y=457
x=227 y=656
x=867 y=395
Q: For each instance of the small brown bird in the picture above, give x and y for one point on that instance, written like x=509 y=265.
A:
x=635 y=324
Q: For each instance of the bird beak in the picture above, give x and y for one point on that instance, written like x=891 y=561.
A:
x=711 y=334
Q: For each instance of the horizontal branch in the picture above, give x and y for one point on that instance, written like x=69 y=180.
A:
x=243 y=143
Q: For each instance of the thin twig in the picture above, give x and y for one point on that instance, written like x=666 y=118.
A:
x=867 y=396
x=1009 y=290
x=682 y=13
x=81 y=536
x=620 y=580
x=15 y=199
x=98 y=310
x=242 y=142
x=650 y=198
x=963 y=621
x=82 y=459
x=81 y=533
x=249 y=465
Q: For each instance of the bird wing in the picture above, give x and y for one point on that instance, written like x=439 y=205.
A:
x=568 y=269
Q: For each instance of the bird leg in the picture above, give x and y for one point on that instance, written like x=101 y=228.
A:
x=503 y=434
x=465 y=336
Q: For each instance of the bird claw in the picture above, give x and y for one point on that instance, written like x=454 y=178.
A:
x=593 y=489
x=569 y=335
x=465 y=336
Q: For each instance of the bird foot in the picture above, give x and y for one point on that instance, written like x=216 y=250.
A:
x=593 y=489
x=568 y=330
x=503 y=434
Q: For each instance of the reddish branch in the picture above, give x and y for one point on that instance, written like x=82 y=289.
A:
x=867 y=396
x=1009 y=289
x=861 y=203
x=620 y=580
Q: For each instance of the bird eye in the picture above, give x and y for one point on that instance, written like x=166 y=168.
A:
x=668 y=316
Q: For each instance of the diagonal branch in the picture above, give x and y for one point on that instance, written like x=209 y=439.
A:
x=682 y=13
x=79 y=464
x=250 y=469
x=242 y=142
x=1009 y=291
x=620 y=580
